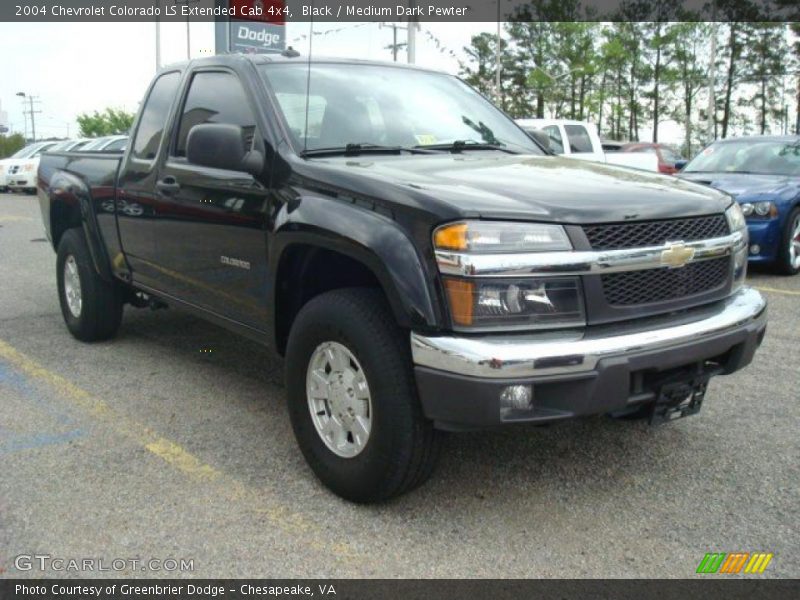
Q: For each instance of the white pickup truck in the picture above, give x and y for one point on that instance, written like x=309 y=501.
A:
x=578 y=139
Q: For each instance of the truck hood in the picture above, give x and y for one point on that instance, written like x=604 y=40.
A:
x=11 y=162
x=746 y=184
x=547 y=188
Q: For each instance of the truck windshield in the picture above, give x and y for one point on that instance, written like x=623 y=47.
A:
x=361 y=105
x=765 y=157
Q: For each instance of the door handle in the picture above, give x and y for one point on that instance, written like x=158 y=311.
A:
x=168 y=186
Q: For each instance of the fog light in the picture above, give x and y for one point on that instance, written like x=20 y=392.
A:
x=755 y=249
x=516 y=397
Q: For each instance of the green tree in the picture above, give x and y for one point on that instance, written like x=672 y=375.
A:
x=536 y=68
x=686 y=49
x=661 y=72
x=9 y=144
x=795 y=27
x=613 y=60
x=481 y=69
x=738 y=13
x=576 y=48
x=109 y=122
x=765 y=62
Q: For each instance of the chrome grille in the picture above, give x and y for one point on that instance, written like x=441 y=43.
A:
x=654 y=233
x=660 y=285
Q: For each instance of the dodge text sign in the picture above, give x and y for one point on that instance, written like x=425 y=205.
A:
x=259 y=27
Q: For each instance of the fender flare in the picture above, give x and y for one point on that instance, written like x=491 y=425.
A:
x=371 y=238
x=69 y=191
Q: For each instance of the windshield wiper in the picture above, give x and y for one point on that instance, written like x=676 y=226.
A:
x=357 y=149
x=461 y=145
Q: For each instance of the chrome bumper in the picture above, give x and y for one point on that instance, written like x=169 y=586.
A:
x=578 y=351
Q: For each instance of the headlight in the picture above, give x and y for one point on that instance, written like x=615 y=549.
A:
x=28 y=167
x=761 y=210
x=735 y=217
x=484 y=237
x=504 y=303
x=766 y=209
x=518 y=303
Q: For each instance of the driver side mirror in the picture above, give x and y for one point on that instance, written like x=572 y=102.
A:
x=679 y=164
x=221 y=146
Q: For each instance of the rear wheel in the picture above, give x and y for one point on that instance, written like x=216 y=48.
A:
x=352 y=398
x=789 y=259
x=92 y=307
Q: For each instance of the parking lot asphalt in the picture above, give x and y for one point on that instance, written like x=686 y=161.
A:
x=173 y=441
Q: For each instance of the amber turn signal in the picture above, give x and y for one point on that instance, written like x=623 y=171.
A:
x=460 y=297
x=451 y=237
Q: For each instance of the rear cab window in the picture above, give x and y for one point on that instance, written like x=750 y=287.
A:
x=579 y=140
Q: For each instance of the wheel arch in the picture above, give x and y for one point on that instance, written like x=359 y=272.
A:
x=71 y=207
x=314 y=252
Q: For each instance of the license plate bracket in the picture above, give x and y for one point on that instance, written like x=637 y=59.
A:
x=679 y=399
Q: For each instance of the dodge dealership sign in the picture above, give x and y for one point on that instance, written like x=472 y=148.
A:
x=261 y=32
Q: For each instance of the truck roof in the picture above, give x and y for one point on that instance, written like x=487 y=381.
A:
x=262 y=59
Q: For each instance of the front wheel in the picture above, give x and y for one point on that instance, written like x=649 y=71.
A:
x=92 y=307
x=789 y=258
x=352 y=398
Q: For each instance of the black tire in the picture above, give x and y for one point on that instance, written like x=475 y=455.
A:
x=785 y=265
x=100 y=313
x=403 y=447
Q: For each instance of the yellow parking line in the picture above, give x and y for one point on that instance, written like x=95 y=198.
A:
x=9 y=218
x=776 y=290
x=181 y=459
x=280 y=515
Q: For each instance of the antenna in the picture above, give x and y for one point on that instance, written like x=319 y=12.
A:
x=308 y=76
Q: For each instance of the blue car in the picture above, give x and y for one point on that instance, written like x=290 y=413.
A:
x=763 y=174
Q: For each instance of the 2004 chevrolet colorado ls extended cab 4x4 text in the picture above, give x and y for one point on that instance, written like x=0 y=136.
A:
x=421 y=262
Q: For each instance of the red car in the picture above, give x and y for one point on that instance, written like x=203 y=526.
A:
x=667 y=157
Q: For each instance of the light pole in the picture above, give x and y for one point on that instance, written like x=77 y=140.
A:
x=411 y=47
x=158 y=43
x=188 y=32
x=31 y=112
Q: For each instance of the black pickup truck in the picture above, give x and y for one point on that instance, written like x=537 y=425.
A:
x=420 y=261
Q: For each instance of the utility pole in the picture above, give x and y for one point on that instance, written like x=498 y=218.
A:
x=188 y=33
x=32 y=112
x=158 y=44
x=412 y=34
x=395 y=47
x=712 y=59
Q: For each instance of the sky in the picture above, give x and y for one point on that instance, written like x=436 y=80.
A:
x=82 y=67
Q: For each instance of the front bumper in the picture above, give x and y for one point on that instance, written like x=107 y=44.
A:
x=766 y=234
x=580 y=372
x=21 y=181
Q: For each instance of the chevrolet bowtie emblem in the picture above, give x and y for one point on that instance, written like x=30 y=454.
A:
x=677 y=255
